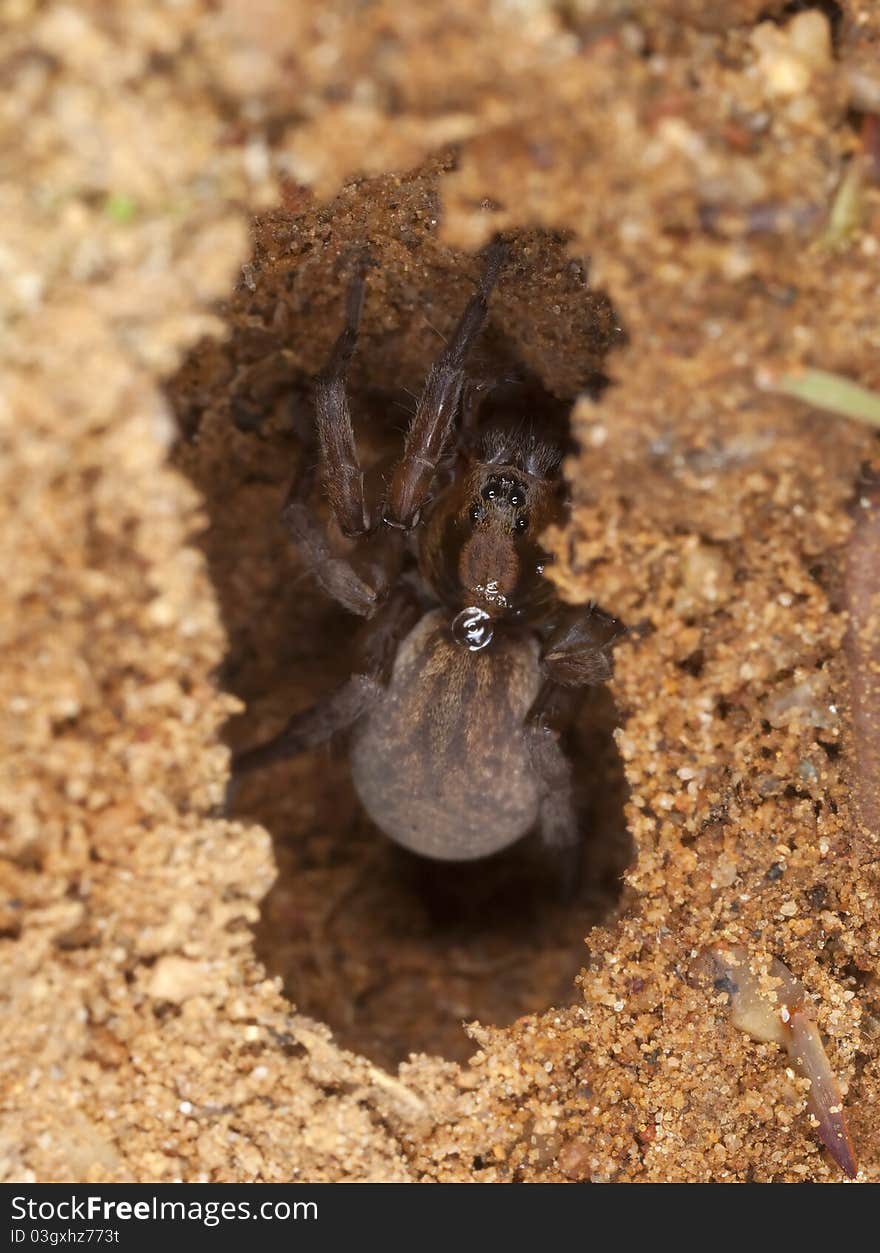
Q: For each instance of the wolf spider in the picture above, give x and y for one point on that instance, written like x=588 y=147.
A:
x=467 y=649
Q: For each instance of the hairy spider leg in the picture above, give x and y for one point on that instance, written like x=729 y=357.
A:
x=432 y=423
x=343 y=475
x=312 y=727
x=559 y=824
x=344 y=483
x=577 y=653
x=336 y=576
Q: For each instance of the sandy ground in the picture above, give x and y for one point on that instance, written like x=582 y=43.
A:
x=275 y=995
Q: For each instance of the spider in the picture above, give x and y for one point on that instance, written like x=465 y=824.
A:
x=466 y=649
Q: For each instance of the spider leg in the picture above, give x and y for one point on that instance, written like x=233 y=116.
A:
x=558 y=822
x=438 y=405
x=312 y=727
x=343 y=476
x=339 y=710
x=578 y=652
x=344 y=481
x=377 y=646
x=334 y=574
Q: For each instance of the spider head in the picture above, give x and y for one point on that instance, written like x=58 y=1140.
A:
x=493 y=548
x=481 y=548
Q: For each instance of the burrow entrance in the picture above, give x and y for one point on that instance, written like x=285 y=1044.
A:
x=394 y=953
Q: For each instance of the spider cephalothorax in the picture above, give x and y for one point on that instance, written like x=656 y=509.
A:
x=451 y=748
x=480 y=545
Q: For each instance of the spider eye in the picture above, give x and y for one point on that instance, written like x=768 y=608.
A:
x=521 y=524
x=517 y=497
x=476 y=513
x=490 y=491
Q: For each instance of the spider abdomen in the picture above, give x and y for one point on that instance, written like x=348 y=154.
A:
x=441 y=763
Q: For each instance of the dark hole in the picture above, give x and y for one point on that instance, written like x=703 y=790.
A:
x=817 y=896
x=857 y=977
x=391 y=951
x=289 y=1046
x=693 y=664
x=165 y=1010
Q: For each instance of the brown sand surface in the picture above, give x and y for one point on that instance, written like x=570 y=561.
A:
x=277 y=995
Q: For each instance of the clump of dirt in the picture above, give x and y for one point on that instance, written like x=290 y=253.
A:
x=706 y=184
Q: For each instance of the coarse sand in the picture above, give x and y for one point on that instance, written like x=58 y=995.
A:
x=693 y=203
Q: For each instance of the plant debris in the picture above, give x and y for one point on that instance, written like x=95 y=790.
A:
x=774 y=1007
